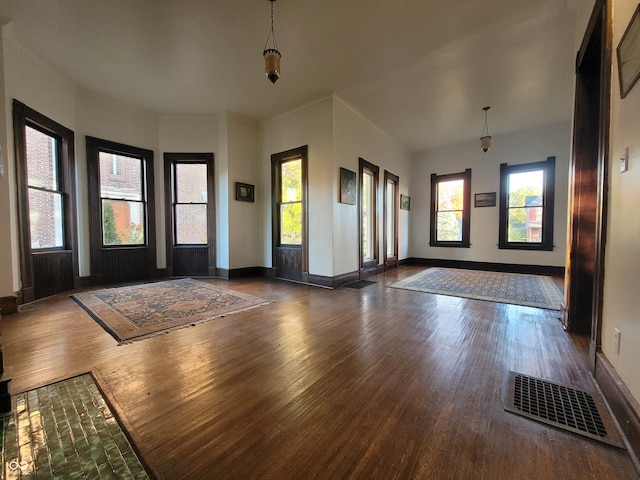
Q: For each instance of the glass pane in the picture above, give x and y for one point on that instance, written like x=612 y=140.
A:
x=449 y=226
x=525 y=225
x=120 y=176
x=450 y=195
x=526 y=188
x=390 y=205
x=368 y=212
x=291 y=181
x=42 y=160
x=122 y=222
x=191 y=224
x=45 y=219
x=191 y=183
x=291 y=223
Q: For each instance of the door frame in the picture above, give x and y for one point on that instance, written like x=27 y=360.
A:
x=391 y=262
x=276 y=160
x=593 y=92
x=370 y=267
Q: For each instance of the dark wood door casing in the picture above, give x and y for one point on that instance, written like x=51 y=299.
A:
x=368 y=268
x=290 y=262
x=589 y=179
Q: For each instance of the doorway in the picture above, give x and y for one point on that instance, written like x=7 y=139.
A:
x=189 y=209
x=368 y=224
x=290 y=214
x=390 y=220
x=588 y=171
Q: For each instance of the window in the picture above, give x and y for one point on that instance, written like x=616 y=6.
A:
x=190 y=203
x=291 y=202
x=46 y=198
x=450 y=208
x=526 y=205
x=45 y=182
x=122 y=199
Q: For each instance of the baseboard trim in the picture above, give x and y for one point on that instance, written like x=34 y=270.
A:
x=488 y=266
x=623 y=405
x=8 y=305
x=246 y=272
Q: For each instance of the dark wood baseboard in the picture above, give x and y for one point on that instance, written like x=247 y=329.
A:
x=8 y=305
x=488 y=266
x=625 y=408
x=246 y=272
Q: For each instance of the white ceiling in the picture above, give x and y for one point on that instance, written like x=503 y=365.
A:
x=421 y=70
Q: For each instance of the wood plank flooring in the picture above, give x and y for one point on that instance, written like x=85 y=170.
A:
x=347 y=383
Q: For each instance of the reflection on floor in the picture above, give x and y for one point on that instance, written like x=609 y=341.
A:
x=66 y=430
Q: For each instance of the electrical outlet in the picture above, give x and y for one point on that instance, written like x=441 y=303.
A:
x=616 y=339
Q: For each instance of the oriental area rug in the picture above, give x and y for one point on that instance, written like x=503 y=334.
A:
x=513 y=288
x=140 y=311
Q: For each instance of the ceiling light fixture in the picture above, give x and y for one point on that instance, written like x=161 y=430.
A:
x=272 y=55
x=485 y=138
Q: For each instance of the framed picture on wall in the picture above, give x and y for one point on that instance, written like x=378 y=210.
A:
x=628 y=53
x=485 y=199
x=347 y=186
x=405 y=202
x=245 y=192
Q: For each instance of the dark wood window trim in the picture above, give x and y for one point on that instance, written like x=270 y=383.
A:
x=94 y=147
x=24 y=116
x=372 y=264
x=388 y=176
x=170 y=160
x=548 y=195
x=466 y=209
x=276 y=160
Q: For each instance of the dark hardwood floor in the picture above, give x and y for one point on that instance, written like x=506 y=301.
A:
x=347 y=383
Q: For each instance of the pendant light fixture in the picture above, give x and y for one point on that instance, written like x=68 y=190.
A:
x=485 y=138
x=272 y=55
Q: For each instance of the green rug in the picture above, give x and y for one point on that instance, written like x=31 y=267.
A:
x=139 y=311
x=518 y=289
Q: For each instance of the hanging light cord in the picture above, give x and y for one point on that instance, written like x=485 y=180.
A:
x=272 y=32
x=485 y=130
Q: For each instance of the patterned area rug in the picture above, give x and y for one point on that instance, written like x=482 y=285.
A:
x=139 y=311
x=528 y=290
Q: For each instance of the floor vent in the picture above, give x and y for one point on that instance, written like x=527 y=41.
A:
x=561 y=406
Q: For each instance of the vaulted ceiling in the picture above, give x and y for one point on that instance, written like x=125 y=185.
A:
x=421 y=70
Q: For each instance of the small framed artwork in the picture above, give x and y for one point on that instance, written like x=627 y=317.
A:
x=485 y=199
x=628 y=53
x=405 y=202
x=347 y=186
x=245 y=192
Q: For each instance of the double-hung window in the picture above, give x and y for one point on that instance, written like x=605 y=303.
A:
x=526 y=205
x=450 y=209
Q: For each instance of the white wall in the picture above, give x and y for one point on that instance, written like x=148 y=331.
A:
x=354 y=137
x=183 y=134
x=101 y=118
x=622 y=255
x=244 y=236
x=521 y=147
x=310 y=125
x=33 y=83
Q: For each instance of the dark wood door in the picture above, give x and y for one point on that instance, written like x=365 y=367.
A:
x=290 y=214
